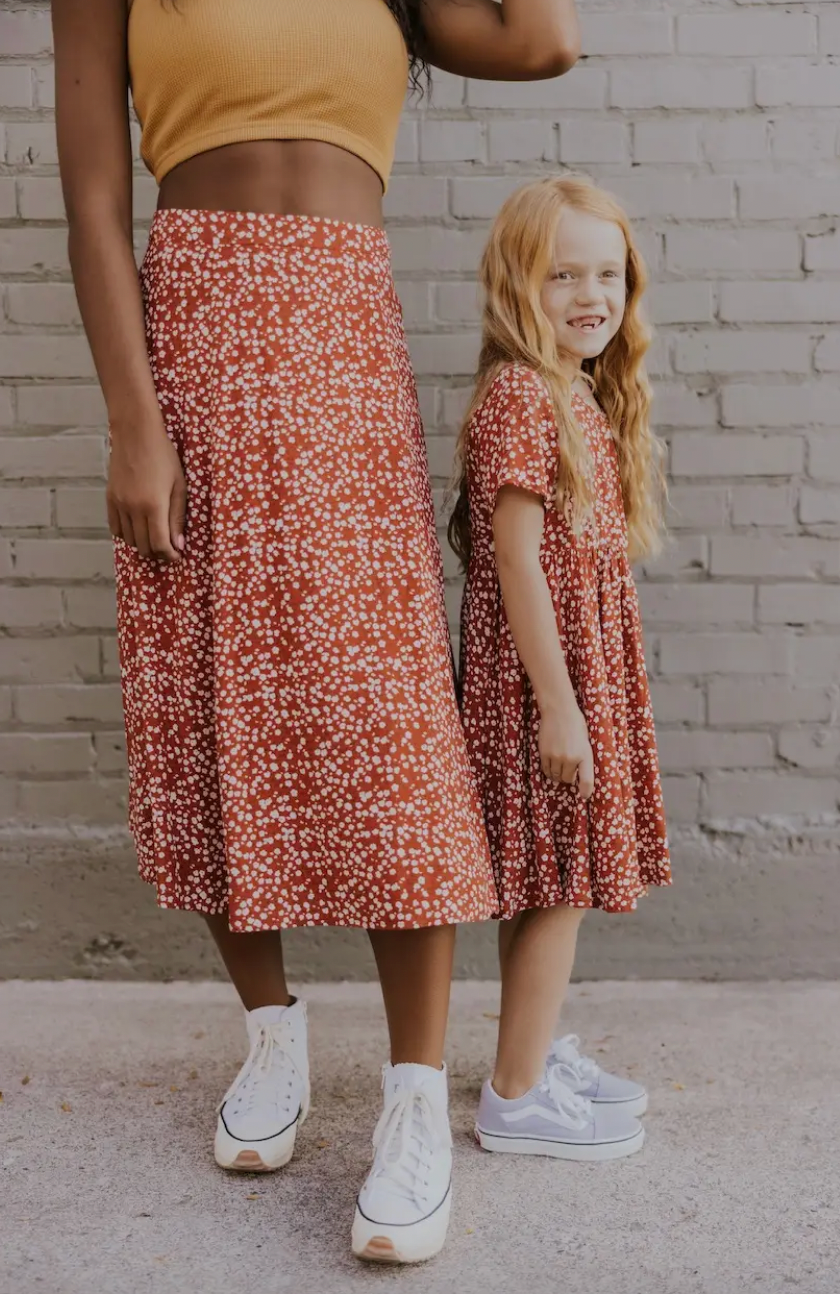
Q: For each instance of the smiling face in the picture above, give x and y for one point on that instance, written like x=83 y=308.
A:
x=585 y=293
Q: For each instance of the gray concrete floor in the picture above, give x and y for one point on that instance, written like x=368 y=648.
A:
x=108 y=1182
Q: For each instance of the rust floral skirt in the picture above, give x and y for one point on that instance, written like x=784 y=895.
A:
x=294 y=746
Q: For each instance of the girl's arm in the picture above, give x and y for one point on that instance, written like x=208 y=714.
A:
x=515 y=40
x=565 y=751
x=146 y=492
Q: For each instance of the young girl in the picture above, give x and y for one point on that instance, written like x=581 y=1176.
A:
x=560 y=487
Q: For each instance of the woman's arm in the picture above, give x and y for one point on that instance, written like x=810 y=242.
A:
x=515 y=40
x=146 y=496
x=518 y=522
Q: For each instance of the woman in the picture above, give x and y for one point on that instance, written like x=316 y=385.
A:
x=294 y=749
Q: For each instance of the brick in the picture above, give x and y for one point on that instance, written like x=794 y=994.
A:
x=5 y=704
x=705 y=605
x=709 y=250
x=739 y=555
x=37 y=608
x=5 y=558
x=767 y=795
x=819 y=507
x=444 y=353
x=458 y=302
x=613 y=33
x=455 y=404
x=51 y=456
x=583 y=87
x=7 y=410
x=451 y=141
x=736 y=139
x=762 y=703
x=78 y=801
x=42 y=303
x=822 y=252
x=109 y=750
x=728 y=35
x=15 y=86
x=799 y=604
x=91 y=608
x=694 y=507
x=682 y=798
x=45 y=86
x=803 y=84
x=817 y=659
x=408 y=143
x=69 y=703
x=779 y=199
x=8 y=200
x=33 y=251
x=110 y=658
x=676 y=140
x=654 y=192
x=810 y=748
x=594 y=141
x=45 y=753
x=827 y=354
x=698 y=654
x=804 y=142
x=683 y=556
x=675 y=303
x=734 y=455
x=810 y=303
x=418 y=197
x=415 y=300
x=32 y=355
x=61 y=406
x=441 y=456
x=829 y=31
x=481 y=198
x=522 y=141
x=817 y=404
x=680 y=84
x=677 y=702
x=427 y=399
x=54 y=660
x=444 y=251
x=40 y=199
x=447 y=90
x=689 y=751
x=678 y=406
x=763 y=505
x=25 y=31
x=64 y=559
x=25 y=509
x=31 y=143
x=729 y=351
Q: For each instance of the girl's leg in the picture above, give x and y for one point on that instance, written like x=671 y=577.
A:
x=536 y=955
x=254 y=962
x=415 y=971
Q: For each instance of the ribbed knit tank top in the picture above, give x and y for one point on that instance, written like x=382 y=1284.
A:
x=210 y=72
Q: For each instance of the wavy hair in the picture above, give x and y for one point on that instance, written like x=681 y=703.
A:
x=516 y=330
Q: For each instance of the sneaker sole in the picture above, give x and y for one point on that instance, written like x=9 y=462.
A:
x=590 y=1152
x=636 y=1107
x=376 y=1242
x=266 y=1156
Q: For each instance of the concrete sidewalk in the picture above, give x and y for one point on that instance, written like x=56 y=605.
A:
x=108 y=1186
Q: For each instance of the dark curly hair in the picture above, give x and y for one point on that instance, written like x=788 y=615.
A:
x=408 y=15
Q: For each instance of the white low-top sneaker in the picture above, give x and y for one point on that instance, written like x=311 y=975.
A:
x=585 y=1077
x=269 y=1098
x=551 y=1119
x=402 y=1213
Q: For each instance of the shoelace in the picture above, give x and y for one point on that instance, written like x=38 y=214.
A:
x=408 y=1132
x=576 y=1108
x=565 y=1053
x=267 y=1050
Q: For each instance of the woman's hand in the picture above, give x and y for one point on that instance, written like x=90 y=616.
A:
x=147 y=493
x=565 y=752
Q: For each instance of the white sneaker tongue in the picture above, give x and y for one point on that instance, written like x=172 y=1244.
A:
x=412 y=1078
x=263 y=1016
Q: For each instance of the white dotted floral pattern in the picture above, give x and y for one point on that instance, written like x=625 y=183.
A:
x=548 y=845
x=294 y=746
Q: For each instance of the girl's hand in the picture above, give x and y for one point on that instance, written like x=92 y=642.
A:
x=147 y=493
x=565 y=752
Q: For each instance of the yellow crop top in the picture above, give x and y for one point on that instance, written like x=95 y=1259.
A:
x=211 y=72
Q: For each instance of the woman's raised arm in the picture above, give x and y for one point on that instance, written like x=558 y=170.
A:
x=515 y=40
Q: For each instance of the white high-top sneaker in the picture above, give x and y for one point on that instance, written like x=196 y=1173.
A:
x=403 y=1208
x=269 y=1098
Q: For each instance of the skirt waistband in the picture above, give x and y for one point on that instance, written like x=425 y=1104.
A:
x=268 y=232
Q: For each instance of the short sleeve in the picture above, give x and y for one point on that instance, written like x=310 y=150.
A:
x=516 y=436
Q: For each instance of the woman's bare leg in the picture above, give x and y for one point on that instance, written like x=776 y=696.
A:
x=254 y=962
x=415 y=971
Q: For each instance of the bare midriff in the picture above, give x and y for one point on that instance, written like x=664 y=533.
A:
x=298 y=177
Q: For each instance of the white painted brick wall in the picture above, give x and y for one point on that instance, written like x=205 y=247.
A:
x=720 y=127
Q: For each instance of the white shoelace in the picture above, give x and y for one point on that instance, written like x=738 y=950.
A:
x=407 y=1134
x=565 y=1053
x=575 y=1108
x=268 y=1053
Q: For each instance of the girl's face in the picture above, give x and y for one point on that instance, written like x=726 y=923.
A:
x=585 y=292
